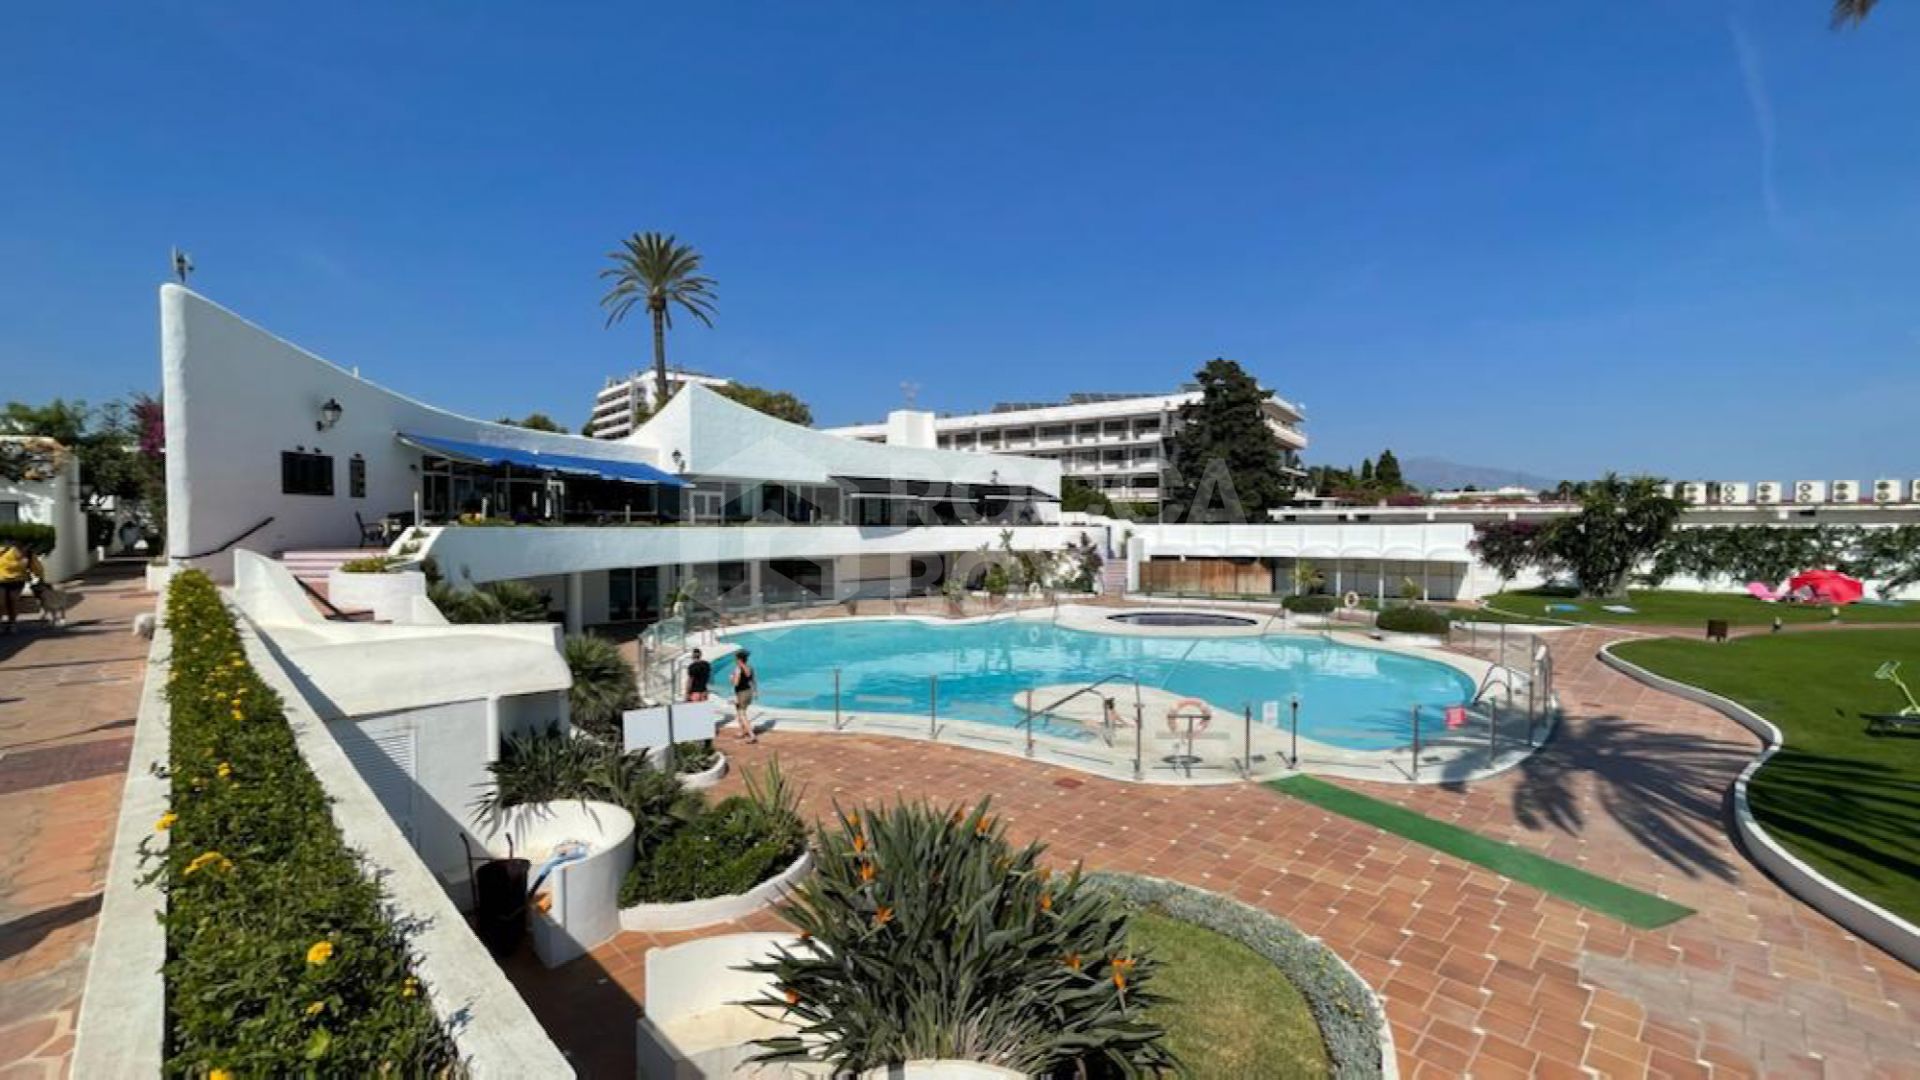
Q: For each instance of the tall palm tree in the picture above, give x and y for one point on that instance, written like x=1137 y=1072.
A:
x=662 y=272
x=1847 y=12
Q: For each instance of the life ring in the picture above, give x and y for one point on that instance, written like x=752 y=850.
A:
x=1351 y=600
x=1201 y=715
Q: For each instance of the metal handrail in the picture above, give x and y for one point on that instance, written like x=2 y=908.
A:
x=261 y=524
x=1089 y=688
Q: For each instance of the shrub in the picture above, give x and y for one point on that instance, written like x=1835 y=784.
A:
x=494 y=602
x=603 y=684
x=726 y=849
x=1310 y=604
x=550 y=767
x=282 y=958
x=1409 y=619
x=693 y=757
x=37 y=539
x=926 y=935
x=372 y=564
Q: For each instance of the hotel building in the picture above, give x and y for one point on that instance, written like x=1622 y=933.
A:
x=621 y=406
x=1113 y=442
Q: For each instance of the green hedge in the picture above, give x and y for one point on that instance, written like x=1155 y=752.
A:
x=282 y=958
x=1409 y=619
x=35 y=538
x=1316 y=604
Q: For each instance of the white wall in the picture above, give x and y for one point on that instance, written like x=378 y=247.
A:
x=56 y=502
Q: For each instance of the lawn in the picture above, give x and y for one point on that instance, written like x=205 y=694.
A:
x=1229 y=1011
x=1846 y=801
x=1672 y=607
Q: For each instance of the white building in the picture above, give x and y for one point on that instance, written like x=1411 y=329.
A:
x=1114 y=442
x=53 y=500
x=620 y=405
x=274 y=450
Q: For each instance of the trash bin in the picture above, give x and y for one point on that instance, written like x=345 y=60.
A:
x=500 y=904
x=1716 y=629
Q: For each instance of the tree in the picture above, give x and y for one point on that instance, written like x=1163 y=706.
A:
x=1078 y=496
x=108 y=441
x=1386 y=474
x=535 y=421
x=1851 y=12
x=1366 y=473
x=778 y=404
x=1508 y=547
x=661 y=272
x=1621 y=523
x=1225 y=459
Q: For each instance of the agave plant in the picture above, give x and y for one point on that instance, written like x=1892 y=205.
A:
x=603 y=684
x=493 y=602
x=924 y=934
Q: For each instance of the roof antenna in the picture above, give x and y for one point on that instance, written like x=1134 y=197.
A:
x=909 y=390
x=182 y=265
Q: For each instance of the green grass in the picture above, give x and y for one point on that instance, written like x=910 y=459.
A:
x=1629 y=905
x=1845 y=801
x=1229 y=1011
x=1672 y=607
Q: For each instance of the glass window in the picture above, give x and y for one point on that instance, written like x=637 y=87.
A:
x=302 y=473
x=357 y=477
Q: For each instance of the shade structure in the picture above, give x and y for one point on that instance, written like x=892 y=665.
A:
x=633 y=472
x=1828 y=586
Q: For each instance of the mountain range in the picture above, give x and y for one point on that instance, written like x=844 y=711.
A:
x=1438 y=474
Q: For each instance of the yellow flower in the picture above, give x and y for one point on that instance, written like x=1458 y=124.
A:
x=225 y=770
x=166 y=821
x=219 y=1074
x=209 y=858
x=315 y=1008
x=410 y=987
x=1046 y=901
x=319 y=953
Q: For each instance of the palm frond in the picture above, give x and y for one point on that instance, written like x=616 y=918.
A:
x=1851 y=12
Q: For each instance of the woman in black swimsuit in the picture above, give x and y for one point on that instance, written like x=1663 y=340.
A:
x=743 y=686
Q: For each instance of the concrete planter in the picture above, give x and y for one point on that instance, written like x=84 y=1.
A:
x=583 y=896
x=158 y=576
x=388 y=596
x=687 y=914
x=706 y=778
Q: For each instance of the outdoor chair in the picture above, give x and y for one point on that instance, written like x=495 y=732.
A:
x=372 y=533
x=1883 y=723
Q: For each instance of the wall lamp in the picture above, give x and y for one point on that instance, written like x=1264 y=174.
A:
x=679 y=461
x=329 y=415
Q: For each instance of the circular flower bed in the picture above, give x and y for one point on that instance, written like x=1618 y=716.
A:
x=1349 y=1015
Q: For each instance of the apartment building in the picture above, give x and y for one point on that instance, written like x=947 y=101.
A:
x=624 y=402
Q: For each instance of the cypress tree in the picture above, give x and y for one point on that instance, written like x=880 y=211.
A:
x=1225 y=461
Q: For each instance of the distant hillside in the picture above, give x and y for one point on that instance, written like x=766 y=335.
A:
x=1437 y=474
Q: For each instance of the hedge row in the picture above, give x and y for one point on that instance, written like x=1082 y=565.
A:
x=1310 y=603
x=282 y=957
x=1348 y=1014
x=1411 y=619
x=35 y=538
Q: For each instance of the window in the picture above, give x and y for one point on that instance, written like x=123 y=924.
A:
x=357 y=477
x=302 y=473
x=9 y=513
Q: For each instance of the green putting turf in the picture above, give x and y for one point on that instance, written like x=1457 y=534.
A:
x=1630 y=906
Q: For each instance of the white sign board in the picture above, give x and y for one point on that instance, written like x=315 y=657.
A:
x=1270 y=713
x=654 y=729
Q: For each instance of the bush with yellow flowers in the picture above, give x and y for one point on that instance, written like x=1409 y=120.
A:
x=282 y=957
x=925 y=934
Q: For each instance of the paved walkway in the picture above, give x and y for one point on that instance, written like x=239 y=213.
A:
x=67 y=704
x=1482 y=976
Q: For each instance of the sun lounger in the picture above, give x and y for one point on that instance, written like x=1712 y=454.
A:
x=1891 y=722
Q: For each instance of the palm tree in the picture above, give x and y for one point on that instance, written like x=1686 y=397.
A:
x=1851 y=12
x=661 y=271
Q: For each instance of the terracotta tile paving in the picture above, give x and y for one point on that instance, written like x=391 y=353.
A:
x=67 y=704
x=1482 y=976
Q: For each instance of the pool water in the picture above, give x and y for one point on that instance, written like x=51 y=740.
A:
x=1352 y=697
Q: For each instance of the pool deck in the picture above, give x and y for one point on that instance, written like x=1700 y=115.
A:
x=1481 y=975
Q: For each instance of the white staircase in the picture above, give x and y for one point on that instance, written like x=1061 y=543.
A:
x=311 y=568
x=1113 y=578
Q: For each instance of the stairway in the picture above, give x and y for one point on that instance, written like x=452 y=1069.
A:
x=1113 y=578
x=311 y=568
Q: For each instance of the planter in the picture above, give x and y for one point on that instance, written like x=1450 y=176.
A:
x=583 y=896
x=389 y=596
x=707 y=777
x=158 y=576
x=687 y=914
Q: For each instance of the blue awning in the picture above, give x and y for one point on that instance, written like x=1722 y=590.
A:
x=633 y=472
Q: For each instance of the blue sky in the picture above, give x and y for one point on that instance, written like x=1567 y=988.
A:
x=1554 y=237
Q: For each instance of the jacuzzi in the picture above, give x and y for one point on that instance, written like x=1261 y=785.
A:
x=583 y=895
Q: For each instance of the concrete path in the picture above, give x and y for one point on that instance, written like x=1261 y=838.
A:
x=1482 y=976
x=68 y=698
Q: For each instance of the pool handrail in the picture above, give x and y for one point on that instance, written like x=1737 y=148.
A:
x=1105 y=726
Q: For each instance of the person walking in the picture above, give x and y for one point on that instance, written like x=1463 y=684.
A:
x=743 y=687
x=18 y=565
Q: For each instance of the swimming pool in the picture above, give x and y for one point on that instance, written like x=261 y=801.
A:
x=1179 y=618
x=1356 y=698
